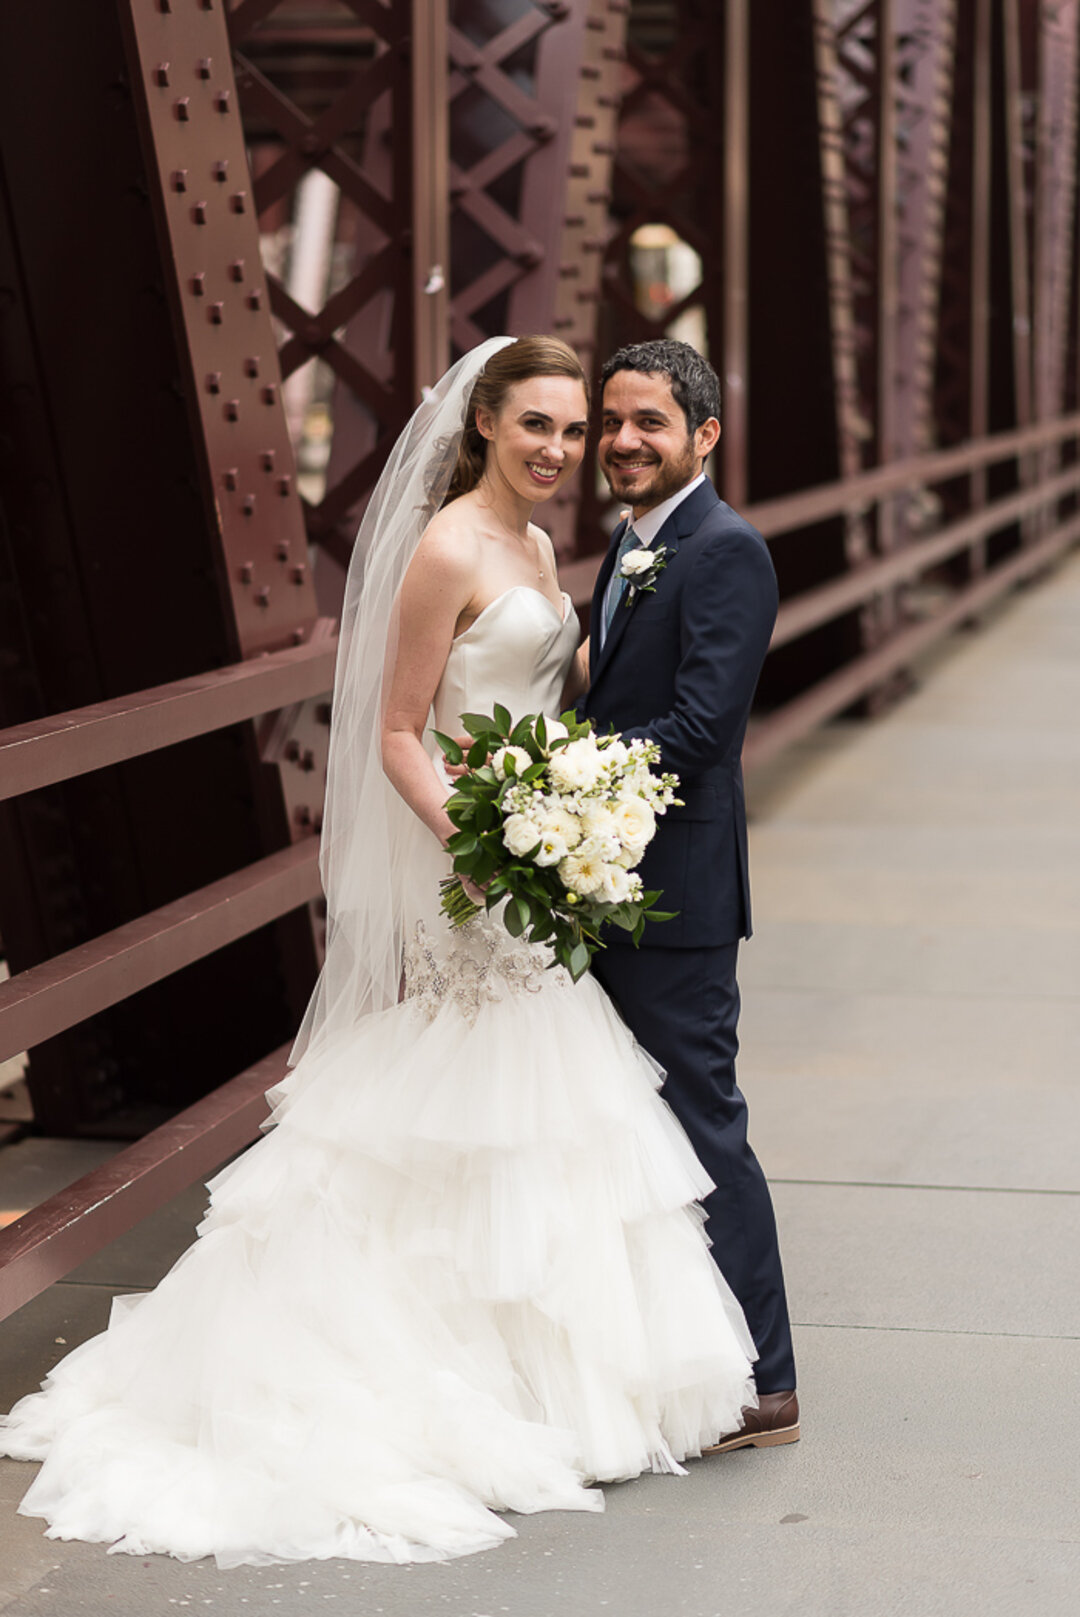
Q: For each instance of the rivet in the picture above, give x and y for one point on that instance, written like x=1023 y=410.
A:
x=231 y=475
x=251 y=365
x=307 y=761
x=221 y=101
x=284 y=485
x=298 y=572
x=262 y=595
x=213 y=382
x=165 y=6
x=311 y=143
x=322 y=713
x=183 y=108
x=198 y=213
x=236 y=270
x=292 y=752
x=220 y=171
x=205 y=65
x=254 y=299
x=302 y=815
x=238 y=201
x=248 y=505
x=297 y=637
x=269 y=393
x=247 y=571
x=281 y=550
x=313 y=334
x=232 y=409
x=217 y=313
x=161 y=74
x=179 y=179
x=267 y=459
x=198 y=284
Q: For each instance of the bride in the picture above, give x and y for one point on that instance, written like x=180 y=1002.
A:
x=464 y=1273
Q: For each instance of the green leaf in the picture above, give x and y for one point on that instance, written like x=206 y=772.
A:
x=522 y=731
x=541 y=731
x=534 y=771
x=661 y=915
x=462 y=842
x=453 y=752
x=479 y=724
x=503 y=719
x=578 y=963
x=477 y=753
x=524 y=912
x=543 y=928
x=512 y=920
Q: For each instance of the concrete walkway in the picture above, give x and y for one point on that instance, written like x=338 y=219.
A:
x=911 y=1040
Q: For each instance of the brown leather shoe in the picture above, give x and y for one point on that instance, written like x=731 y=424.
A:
x=774 y=1421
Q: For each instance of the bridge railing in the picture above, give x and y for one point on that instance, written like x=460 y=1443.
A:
x=49 y=1240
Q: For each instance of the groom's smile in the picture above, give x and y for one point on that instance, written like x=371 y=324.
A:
x=645 y=451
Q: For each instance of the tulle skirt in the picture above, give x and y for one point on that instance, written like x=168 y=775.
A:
x=463 y=1274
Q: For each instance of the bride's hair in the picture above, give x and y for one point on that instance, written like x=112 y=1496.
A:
x=517 y=362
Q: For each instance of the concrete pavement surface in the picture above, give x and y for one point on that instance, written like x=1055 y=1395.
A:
x=911 y=1044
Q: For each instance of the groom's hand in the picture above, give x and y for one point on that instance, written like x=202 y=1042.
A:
x=455 y=771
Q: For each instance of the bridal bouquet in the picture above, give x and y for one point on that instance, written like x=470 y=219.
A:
x=553 y=819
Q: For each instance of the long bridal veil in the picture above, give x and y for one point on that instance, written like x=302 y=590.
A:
x=369 y=836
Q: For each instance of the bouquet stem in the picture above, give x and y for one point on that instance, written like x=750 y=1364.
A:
x=456 y=902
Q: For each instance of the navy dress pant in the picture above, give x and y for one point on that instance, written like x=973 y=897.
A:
x=682 y=1005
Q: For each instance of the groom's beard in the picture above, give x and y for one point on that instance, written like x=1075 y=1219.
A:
x=644 y=491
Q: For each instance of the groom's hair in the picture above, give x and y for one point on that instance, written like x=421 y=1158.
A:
x=695 y=386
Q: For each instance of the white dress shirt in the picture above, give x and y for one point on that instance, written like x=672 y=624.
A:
x=646 y=527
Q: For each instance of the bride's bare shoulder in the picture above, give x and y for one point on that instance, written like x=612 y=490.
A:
x=449 y=548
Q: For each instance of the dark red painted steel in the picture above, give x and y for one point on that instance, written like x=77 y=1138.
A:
x=45 y=1000
x=50 y=1240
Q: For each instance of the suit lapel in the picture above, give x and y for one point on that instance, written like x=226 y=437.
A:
x=685 y=518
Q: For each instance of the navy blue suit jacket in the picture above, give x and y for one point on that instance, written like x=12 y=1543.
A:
x=680 y=667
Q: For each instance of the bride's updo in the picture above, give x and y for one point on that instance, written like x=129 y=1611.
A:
x=519 y=360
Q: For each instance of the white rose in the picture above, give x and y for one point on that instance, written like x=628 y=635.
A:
x=556 y=729
x=615 y=886
x=552 y=849
x=636 y=562
x=581 y=873
x=576 y=767
x=635 y=822
x=563 y=824
x=520 y=834
x=518 y=754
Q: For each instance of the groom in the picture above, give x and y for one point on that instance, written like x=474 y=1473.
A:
x=678 y=663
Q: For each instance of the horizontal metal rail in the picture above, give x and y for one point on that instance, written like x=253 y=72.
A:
x=53 y=1238
x=803 y=509
x=65 y=745
x=46 y=999
x=830 y=696
x=827 y=601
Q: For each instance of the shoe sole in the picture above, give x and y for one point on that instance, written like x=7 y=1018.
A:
x=756 y=1440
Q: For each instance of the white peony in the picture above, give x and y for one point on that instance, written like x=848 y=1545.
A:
x=616 y=752
x=635 y=822
x=520 y=834
x=563 y=824
x=615 y=884
x=552 y=849
x=636 y=562
x=581 y=873
x=599 y=821
x=556 y=729
x=518 y=754
x=576 y=767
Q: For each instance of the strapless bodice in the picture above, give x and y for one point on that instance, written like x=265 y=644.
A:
x=517 y=652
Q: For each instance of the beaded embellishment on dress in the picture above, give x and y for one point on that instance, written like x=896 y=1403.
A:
x=481 y=962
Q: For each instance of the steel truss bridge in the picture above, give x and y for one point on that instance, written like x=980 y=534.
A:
x=237 y=238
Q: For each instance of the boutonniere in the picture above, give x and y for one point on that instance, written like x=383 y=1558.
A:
x=641 y=568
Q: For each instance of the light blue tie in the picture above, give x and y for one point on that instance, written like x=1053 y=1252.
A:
x=628 y=542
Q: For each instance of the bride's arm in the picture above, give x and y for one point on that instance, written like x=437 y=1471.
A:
x=577 y=680
x=437 y=589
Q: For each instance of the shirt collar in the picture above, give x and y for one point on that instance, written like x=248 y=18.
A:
x=648 y=525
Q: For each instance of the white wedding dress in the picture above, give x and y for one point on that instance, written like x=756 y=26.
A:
x=463 y=1273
